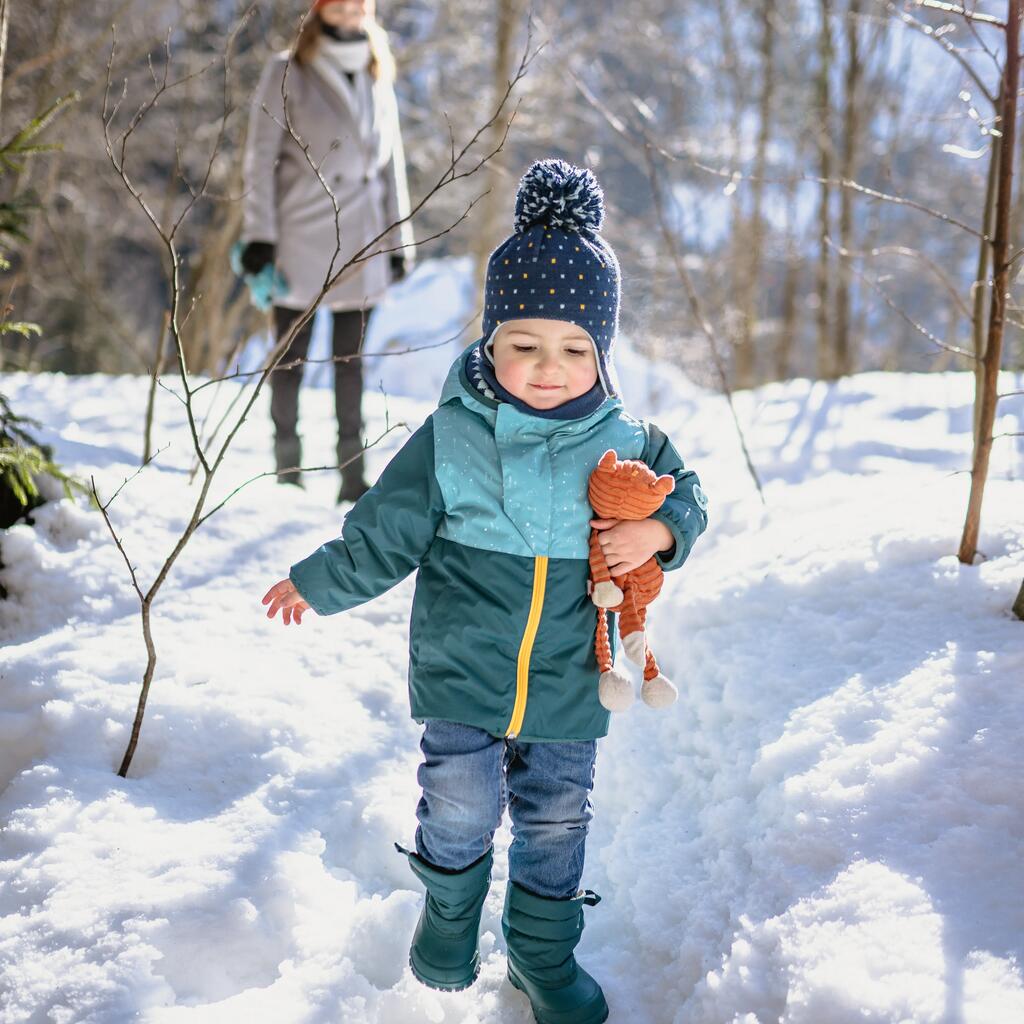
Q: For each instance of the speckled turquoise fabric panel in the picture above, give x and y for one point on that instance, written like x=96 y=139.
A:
x=518 y=483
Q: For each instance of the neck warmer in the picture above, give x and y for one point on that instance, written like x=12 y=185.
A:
x=348 y=55
x=480 y=371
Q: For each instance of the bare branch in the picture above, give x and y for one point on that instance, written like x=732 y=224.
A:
x=735 y=176
x=984 y=19
x=897 y=309
x=299 y=469
x=917 y=254
x=237 y=375
x=128 y=479
x=684 y=275
x=113 y=533
x=926 y=30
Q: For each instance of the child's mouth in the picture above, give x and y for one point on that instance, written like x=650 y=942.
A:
x=547 y=387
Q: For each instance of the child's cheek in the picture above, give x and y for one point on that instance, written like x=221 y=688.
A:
x=510 y=377
x=583 y=378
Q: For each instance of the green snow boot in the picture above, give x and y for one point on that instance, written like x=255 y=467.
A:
x=541 y=935
x=445 y=952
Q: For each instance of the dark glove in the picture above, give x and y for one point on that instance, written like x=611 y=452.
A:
x=256 y=255
x=399 y=266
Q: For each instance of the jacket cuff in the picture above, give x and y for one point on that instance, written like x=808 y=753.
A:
x=685 y=529
x=311 y=576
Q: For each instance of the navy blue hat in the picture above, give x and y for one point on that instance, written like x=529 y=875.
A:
x=556 y=265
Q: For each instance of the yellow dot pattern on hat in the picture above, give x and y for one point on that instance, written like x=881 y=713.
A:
x=576 y=279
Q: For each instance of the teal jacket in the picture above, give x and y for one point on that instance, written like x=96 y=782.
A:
x=490 y=505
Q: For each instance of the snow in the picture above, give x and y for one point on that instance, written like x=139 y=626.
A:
x=827 y=827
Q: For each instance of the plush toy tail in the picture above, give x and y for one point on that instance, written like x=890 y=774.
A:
x=614 y=691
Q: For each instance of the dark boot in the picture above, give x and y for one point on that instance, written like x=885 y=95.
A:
x=541 y=934
x=353 y=486
x=445 y=952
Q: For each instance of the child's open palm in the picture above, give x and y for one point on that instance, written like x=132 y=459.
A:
x=285 y=596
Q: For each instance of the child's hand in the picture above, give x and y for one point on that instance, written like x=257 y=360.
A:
x=283 y=595
x=627 y=543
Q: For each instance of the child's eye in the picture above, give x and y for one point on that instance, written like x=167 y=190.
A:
x=523 y=348
x=577 y=351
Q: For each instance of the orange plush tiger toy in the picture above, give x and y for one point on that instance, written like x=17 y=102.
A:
x=626 y=490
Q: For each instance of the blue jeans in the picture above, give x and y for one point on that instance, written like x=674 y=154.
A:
x=468 y=777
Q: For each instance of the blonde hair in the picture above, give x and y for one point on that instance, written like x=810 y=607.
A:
x=382 y=61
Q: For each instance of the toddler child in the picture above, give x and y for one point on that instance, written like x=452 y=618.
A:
x=488 y=500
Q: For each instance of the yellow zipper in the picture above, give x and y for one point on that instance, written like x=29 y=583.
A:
x=540 y=575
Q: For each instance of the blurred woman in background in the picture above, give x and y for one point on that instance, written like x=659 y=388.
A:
x=341 y=105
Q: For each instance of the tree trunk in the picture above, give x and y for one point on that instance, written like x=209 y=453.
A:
x=5 y=17
x=785 y=342
x=488 y=230
x=825 y=369
x=980 y=288
x=734 y=93
x=844 y=357
x=994 y=344
x=752 y=252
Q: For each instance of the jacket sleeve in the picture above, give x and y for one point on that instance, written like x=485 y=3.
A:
x=262 y=148
x=384 y=537
x=684 y=511
x=396 y=192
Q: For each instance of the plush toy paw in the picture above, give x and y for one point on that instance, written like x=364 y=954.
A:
x=606 y=595
x=615 y=691
x=635 y=646
x=658 y=692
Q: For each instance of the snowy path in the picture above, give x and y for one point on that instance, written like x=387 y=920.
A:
x=828 y=827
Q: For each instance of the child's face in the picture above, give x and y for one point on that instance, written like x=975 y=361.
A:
x=545 y=363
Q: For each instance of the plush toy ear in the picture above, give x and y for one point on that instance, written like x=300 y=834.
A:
x=665 y=484
x=608 y=459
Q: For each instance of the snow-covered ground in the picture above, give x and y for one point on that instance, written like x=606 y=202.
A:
x=828 y=827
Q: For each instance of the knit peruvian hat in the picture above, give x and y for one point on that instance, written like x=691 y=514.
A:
x=555 y=265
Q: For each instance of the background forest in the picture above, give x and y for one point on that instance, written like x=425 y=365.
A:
x=758 y=112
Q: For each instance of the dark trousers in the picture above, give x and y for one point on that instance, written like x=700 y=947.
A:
x=346 y=340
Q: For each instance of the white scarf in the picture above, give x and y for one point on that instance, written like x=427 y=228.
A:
x=350 y=55
x=334 y=60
